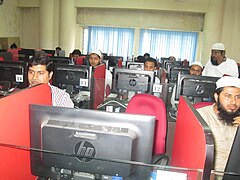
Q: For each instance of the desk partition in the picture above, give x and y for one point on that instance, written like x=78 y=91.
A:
x=14 y=129
x=193 y=145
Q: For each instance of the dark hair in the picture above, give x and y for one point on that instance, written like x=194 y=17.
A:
x=13 y=46
x=141 y=59
x=219 y=90
x=58 y=48
x=152 y=60
x=146 y=54
x=41 y=59
x=77 y=51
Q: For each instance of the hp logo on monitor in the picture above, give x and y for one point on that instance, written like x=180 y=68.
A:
x=132 y=82
x=85 y=149
x=199 y=89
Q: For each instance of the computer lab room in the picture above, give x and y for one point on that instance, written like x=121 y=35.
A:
x=119 y=90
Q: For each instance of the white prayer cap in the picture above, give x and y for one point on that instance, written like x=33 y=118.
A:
x=218 y=46
x=97 y=52
x=228 y=81
x=197 y=63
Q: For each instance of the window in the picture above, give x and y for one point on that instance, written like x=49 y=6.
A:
x=161 y=43
x=116 y=41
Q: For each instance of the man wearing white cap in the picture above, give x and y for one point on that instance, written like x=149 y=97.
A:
x=219 y=64
x=195 y=69
x=95 y=59
x=222 y=117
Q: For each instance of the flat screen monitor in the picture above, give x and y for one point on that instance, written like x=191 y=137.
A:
x=196 y=88
x=135 y=65
x=59 y=60
x=26 y=54
x=168 y=63
x=71 y=140
x=232 y=168
x=133 y=80
x=15 y=73
x=49 y=51
x=175 y=69
x=112 y=60
x=7 y=56
x=72 y=77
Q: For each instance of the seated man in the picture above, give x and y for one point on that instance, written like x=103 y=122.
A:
x=95 y=58
x=75 y=54
x=41 y=71
x=150 y=64
x=219 y=64
x=222 y=116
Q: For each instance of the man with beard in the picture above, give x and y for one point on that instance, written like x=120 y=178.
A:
x=222 y=117
x=220 y=65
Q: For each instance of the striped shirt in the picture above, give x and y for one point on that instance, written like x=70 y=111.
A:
x=61 y=98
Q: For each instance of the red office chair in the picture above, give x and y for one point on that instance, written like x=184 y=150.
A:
x=120 y=62
x=15 y=56
x=202 y=104
x=80 y=60
x=148 y=104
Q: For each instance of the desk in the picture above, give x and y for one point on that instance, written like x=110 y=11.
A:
x=132 y=170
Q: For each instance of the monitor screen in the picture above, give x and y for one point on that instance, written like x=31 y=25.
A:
x=196 y=88
x=135 y=65
x=72 y=77
x=133 y=80
x=175 y=69
x=71 y=140
x=15 y=73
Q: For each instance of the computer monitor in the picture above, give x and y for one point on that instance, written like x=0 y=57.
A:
x=68 y=140
x=26 y=54
x=7 y=56
x=14 y=74
x=112 y=60
x=135 y=65
x=232 y=168
x=175 y=69
x=49 y=51
x=72 y=77
x=196 y=88
x=133 y=80
x=168 y=63
x=59 y=60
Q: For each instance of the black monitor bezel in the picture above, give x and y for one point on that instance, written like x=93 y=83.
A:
x=202 y=79
x=20 y=65
x=116 y=71
x=74 y=68
x=40 y=115
x=129 y=63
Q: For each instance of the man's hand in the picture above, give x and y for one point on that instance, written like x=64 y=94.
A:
x=236 y=120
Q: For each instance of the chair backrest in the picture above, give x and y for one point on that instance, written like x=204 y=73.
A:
x=15 y=56
x=202 y=104
x=151 y=105
x=120 y=62
x=80 y=60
